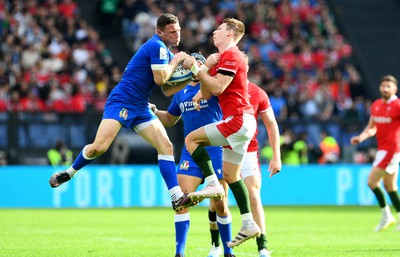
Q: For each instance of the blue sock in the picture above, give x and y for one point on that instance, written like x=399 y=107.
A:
x=225 y=230
x=166 y=163
x=82 y=160
x=182 y=223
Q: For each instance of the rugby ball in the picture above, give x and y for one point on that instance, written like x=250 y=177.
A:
x=180 y=74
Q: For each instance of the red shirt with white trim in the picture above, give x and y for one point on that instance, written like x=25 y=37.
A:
x=386 y=116
x=235 y=98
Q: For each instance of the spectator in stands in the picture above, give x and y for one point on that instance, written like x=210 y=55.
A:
x=329 y=148
x=60 y=155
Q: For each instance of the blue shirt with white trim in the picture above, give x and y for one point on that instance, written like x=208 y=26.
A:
x=137 y=82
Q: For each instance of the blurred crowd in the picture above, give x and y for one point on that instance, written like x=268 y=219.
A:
x=297 y=55
x=52 y=59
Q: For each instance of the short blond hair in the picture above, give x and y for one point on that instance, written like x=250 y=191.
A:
x=236 y=26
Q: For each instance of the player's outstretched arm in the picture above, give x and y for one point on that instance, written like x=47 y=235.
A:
x=166 y=118
x=268 y=118
x=369 y=131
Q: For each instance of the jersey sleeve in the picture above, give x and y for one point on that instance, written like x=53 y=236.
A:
x=264 y=100
x=160 y=56
x=174 y=107
x=229 y=64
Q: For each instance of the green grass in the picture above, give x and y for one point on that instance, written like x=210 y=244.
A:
x=292 y=231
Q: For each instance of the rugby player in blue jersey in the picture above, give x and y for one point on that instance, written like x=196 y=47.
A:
x=127 y=106
x=190 y=175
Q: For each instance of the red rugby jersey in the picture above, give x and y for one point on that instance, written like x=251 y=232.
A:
x=235 y=99
x=386 y=116
x=260 y=102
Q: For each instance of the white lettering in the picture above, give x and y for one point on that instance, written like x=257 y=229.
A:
x=126 y=184
x=82 y=190
x=344 y=182
x=148 y=188
x=57 y=195
x=382 y=120
x=104 y=187
x=365 y=195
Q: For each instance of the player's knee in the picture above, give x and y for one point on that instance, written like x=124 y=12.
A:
x=390 y=187
x=222 y=209
x=166 y=148
x=96 y=150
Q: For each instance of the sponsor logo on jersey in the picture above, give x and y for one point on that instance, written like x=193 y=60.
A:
x=382 y=120
x=189 y=105
x=123 y=113
x=163 y=54
x=184 y=165
x=230 y=63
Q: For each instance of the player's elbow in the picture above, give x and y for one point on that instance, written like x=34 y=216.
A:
x=216 y=92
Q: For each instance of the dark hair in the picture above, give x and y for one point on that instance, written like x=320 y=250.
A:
x=165 y=19
x=389 y=78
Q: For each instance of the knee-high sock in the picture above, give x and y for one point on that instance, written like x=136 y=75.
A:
x=166 y=163
x=212 y=217
x=241 y=194
x=202 y=159
x=81 y=161
x=394 y=197
x=182 y=224
x=379 y=196
x=225 y=230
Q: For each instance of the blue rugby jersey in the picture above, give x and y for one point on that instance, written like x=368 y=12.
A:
x=137 y=82
x=210 y=112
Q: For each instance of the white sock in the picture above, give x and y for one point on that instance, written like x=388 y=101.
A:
x=71 y=171
x=175 y=193
x=386 y=211
x=212 y=180
x=247 y=220
x=263 y=251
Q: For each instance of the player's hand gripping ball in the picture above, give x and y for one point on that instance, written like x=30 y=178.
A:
x=179 y=75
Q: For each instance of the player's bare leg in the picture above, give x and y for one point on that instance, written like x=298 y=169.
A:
x=106 y=133
x=374 y=179
x=155 y=134
x=249 y=227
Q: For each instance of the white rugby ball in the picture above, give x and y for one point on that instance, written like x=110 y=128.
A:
x=180 y=74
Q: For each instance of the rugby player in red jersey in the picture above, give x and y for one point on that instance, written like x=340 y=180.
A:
x=227 y=79
x=384 y=122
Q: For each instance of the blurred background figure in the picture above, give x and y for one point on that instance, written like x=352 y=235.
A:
x=60 y=155
x=330 y=149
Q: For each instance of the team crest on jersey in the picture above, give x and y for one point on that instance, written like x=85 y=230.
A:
x=184 y=165
x=123 y=113
x=163 y=54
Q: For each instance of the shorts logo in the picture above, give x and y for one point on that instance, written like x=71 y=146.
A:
x=219 y=171
x=184 y=165
x=163 y=54
x=123 y=113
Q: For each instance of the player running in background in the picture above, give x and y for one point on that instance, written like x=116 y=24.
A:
x=384 y=122
x=127 y=106
x=189 y=174
x=228 y=81
x=250 y=171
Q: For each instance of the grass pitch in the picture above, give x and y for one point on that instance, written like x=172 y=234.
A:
x=135 y=232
